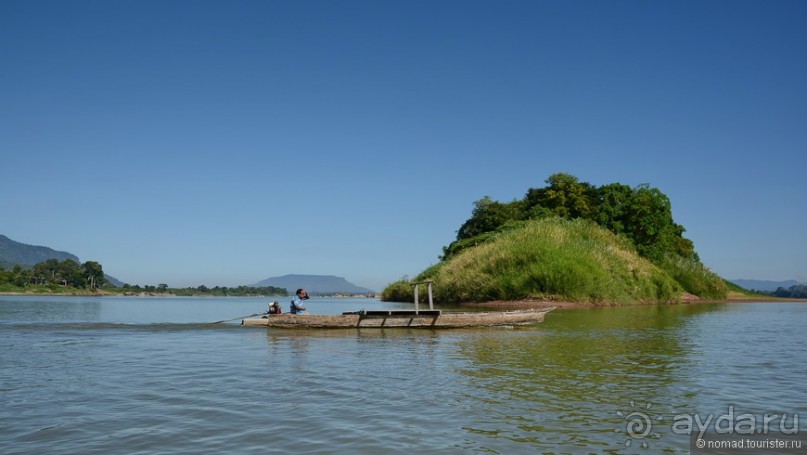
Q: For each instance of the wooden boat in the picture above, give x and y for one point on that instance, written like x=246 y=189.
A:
x=400 y=318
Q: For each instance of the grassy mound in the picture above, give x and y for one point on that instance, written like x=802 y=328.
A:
x=560 y=259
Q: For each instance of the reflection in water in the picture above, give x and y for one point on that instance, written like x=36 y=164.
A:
x=565 y=382
x=360 y=387
x=401 y=350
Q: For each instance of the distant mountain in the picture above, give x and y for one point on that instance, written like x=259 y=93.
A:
x=15 y=253
x=764 y=285
x=113 y=281
x=315 y=284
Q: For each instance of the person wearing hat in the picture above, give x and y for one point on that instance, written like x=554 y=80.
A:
x=274 y=308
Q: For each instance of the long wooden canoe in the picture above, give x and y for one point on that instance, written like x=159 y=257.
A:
x=400 y=318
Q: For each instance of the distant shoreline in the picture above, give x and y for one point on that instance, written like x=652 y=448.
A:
x=101 y=293
x=502 y=305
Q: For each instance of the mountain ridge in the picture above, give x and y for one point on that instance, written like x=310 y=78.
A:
x=315 y=284
x=13 y=253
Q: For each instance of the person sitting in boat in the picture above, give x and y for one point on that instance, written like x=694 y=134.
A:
x=274 y=308
x=297 y=301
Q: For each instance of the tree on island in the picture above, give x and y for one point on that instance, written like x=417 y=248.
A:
x=642 y=214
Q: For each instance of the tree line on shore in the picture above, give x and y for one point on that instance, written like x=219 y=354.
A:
x=798 y=291
x=66 y=273
x=54 y=275
x=642 y=214
x=217 y=291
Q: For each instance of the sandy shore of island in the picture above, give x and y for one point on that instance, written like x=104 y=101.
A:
x=684 y=299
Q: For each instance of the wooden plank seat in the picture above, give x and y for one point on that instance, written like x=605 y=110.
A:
x=386 y=314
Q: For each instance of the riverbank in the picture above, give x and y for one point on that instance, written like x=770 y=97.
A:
x=685 y=299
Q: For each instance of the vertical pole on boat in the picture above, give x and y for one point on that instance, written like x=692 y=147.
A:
x=431 y=302
x=416 y=298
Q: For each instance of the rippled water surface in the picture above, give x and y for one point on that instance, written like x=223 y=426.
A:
x=148 y=375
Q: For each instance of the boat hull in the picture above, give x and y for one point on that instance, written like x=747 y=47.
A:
x=441 y=320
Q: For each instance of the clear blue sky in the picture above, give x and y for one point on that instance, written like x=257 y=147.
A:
x=224 y=142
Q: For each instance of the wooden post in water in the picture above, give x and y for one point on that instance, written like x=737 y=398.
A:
x=416 y=297
x=431 y=300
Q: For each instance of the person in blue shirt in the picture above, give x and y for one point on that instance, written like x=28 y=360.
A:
x=297 y=301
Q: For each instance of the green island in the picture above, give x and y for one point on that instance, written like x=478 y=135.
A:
x=571 y=244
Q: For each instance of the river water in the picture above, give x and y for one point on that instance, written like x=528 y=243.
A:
x=131 y=375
